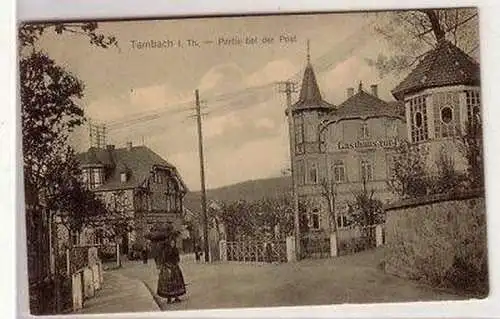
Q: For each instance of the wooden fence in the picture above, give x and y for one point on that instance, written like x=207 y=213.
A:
x=254 y=251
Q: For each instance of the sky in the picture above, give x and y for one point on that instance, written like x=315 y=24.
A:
x=146 y=95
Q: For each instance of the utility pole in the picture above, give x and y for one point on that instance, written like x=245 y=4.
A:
x=288 y=87
x=202 y=177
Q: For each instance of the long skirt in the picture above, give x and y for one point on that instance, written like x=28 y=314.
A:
x=171 y=282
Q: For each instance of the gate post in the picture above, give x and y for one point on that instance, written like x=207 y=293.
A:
x=68 y=261
x=290 y=249
x=379 y=235
x=333 y=245
x=118 y=260
x=223 y=250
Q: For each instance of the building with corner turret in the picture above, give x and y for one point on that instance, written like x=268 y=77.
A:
x=345 y=146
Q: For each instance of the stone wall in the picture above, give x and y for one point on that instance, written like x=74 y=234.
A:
x=440 y=240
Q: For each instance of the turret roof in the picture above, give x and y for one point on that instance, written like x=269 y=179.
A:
x=443 y=66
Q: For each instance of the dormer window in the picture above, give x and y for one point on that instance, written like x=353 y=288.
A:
x=364 y=132
x=93 y=177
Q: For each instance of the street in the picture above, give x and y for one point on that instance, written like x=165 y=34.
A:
x=348 y=279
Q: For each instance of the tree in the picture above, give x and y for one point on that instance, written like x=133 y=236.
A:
x=50 y=110
x=367 y=211
x=409 y=175
x=447 y=178
x=412 y=33
x=471 y=147
x=30 y=33
x=117 y=219
x=329 y=193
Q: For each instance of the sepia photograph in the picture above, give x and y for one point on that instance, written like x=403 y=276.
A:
x=250 y=161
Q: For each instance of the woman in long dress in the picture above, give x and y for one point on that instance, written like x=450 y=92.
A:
x=171 y=281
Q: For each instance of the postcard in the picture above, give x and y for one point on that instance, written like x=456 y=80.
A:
x=250 y=161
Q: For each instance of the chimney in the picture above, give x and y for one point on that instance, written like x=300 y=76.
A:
x=374 y=89
x=350 y=92
x=129 y=146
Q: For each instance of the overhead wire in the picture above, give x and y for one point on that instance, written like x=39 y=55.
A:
x=240 y=99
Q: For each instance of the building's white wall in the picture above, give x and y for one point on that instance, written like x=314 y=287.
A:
x=383 y=133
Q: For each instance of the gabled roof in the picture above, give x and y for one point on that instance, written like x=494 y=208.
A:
x=138 y=160
x=363 y=105
x=310 y=95
x=443 y=66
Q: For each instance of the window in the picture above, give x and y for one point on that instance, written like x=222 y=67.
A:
x=94 y=177
x=446 y=114
x=300 y=172
x=313 y=173
x=446 y=117
x=364 y=133
x=418 y=119
x=299 y=134
x=158 y=177
x=391 y=128
x=391 y=170
x=123 y=177
x=342 y=221
x=473 y=101
x=315 y=219
x=339 y=172
x=366 y=170
x=74 y=238
x=85 y=176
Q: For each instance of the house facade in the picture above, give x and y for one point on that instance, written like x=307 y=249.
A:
x=339 y=147
x=353 y=144
x=136 y=183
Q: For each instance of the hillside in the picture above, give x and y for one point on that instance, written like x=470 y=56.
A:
x=249 y=191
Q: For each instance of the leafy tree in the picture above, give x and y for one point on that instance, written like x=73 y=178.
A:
x=409 y=178
x=412 y=33
x=447 y=178
x=471 y=147
x=30 y=33
x=367 y=211
x=117 y=219
x=50 y=110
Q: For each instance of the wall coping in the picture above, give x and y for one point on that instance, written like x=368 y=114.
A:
x=431 y=199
